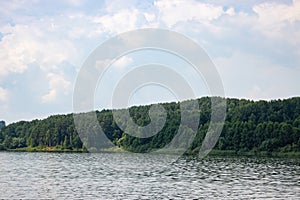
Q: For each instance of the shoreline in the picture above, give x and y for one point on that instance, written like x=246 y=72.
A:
x=212 y=153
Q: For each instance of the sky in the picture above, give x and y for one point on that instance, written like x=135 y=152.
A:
x=255 y=46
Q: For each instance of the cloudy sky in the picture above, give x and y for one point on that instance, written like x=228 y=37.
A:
x=254 y=44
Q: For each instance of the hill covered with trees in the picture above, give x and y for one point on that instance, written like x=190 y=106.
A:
x=250 y=126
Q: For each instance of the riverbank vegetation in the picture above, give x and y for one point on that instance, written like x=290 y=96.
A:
x=251 y=127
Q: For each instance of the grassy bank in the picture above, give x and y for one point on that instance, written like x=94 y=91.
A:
x=47 y=149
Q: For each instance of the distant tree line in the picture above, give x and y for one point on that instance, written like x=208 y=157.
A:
x=272 y=126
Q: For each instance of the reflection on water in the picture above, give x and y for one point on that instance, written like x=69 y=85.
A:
x=144 y=176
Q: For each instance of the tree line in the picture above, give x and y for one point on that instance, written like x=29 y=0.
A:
x=271 y=126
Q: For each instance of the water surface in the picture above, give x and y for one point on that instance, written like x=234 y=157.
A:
x=144 y=176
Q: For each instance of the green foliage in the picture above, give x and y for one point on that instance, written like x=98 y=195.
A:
x=250 y=126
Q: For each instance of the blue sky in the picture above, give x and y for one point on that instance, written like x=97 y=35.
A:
x=255 y=46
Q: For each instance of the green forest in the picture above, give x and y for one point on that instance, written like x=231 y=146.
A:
x=250 y=126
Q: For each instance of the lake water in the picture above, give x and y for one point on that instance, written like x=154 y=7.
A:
x=145 y=176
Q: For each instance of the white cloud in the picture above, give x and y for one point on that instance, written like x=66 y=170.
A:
x=123 y=61
x=255 y=50
x=34 y=42
x=58 y=87
x=230 y=11
x=271 y=13
x=76 y=2
x=121 y=21
x=101 y=65
x=172 y=12
x=3 y=94
x=279 y=21
x=117 y=5
x=150 y=17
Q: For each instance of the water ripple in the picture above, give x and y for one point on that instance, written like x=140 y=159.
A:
x=143 y=176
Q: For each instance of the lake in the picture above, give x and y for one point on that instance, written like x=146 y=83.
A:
x=145 y=176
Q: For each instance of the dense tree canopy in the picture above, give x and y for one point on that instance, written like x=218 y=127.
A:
x=270 y=126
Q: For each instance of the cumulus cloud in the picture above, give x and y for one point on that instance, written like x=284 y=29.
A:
x=269 y=12
x=255 y=44
x=35 y=42
x=172 y=12
x=279 y=21
x=58 y=86
x=123 y=61
x=119 y=22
